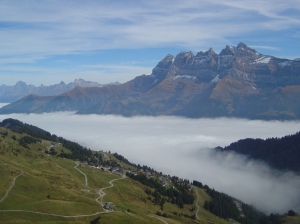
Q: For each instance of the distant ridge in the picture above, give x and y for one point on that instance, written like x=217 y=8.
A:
x=237 y=82
x=281 y=153
x=10 y=94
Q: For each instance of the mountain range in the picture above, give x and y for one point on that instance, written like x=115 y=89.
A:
x=9 y=94
x=237 y=82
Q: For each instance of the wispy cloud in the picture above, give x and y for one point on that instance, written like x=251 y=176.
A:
x=265 y=47
x=182 y=147
x=62 y=27
x=35 y=31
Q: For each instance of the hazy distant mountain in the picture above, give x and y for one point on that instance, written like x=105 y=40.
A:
x=10 y=94
x=238 y=82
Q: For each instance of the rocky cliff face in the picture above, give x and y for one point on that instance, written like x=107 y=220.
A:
x=238 y=82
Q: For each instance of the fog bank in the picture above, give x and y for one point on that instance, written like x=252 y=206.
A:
x=182 y=147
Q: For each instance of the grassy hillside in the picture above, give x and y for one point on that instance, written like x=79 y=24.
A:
x=51 y=186
x=292 y=219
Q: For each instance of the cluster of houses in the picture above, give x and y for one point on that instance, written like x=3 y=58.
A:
x=55 y=144
x=165 y=180
x=111 y=169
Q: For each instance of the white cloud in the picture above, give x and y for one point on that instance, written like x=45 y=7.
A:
x=265 y=47
x=180 y=146
x=35 y=32
x=62 y=27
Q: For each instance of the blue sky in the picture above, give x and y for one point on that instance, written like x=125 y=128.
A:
x=45 y=42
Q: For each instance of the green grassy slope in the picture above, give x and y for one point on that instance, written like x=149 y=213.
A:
x=292 y=219
x=51 y=185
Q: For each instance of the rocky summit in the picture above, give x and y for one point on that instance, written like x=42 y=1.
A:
x=237 y=82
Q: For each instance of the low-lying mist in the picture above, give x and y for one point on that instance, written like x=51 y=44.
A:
x=183 y=147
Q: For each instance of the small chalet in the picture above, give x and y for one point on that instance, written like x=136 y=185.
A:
x=108 y=205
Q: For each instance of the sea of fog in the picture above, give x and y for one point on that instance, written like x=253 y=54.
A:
x=183 y=147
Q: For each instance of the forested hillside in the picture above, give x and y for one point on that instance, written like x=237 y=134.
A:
x=78 y=152
x=280 y=153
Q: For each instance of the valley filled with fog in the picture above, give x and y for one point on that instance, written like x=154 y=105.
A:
x=183 y=147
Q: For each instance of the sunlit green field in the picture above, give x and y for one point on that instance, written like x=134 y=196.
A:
x=53 y=187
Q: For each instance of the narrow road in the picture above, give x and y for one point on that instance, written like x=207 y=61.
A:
x=63 y=216
x=159 y=219
x=102 y=193
x=55 y=215
x=13 y=183
x=85 y=177
x=198 y=207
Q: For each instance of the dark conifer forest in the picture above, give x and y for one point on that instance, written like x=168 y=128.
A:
x=280 y=153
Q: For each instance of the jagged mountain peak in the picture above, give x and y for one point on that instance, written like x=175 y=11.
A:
x=166 y=62
x=242 y=45
x=184 y=59
x=209 y=53
x=163 y=66
x=243 y=50
x=228 y=50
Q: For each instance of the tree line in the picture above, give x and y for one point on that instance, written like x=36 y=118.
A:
x=280 y=153
x=77 y=151
x=224 y=206
x=178 y=195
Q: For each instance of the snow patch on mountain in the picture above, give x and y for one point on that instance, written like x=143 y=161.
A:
x=263 y=60
x=285 y=63
x=185 y=77
x=216 y=79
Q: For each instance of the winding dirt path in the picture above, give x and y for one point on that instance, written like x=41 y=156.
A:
x=13 y=183
x=85 y=177
x=55 y=215
x=198 y=207
x=159 y=219
x=102 y=193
